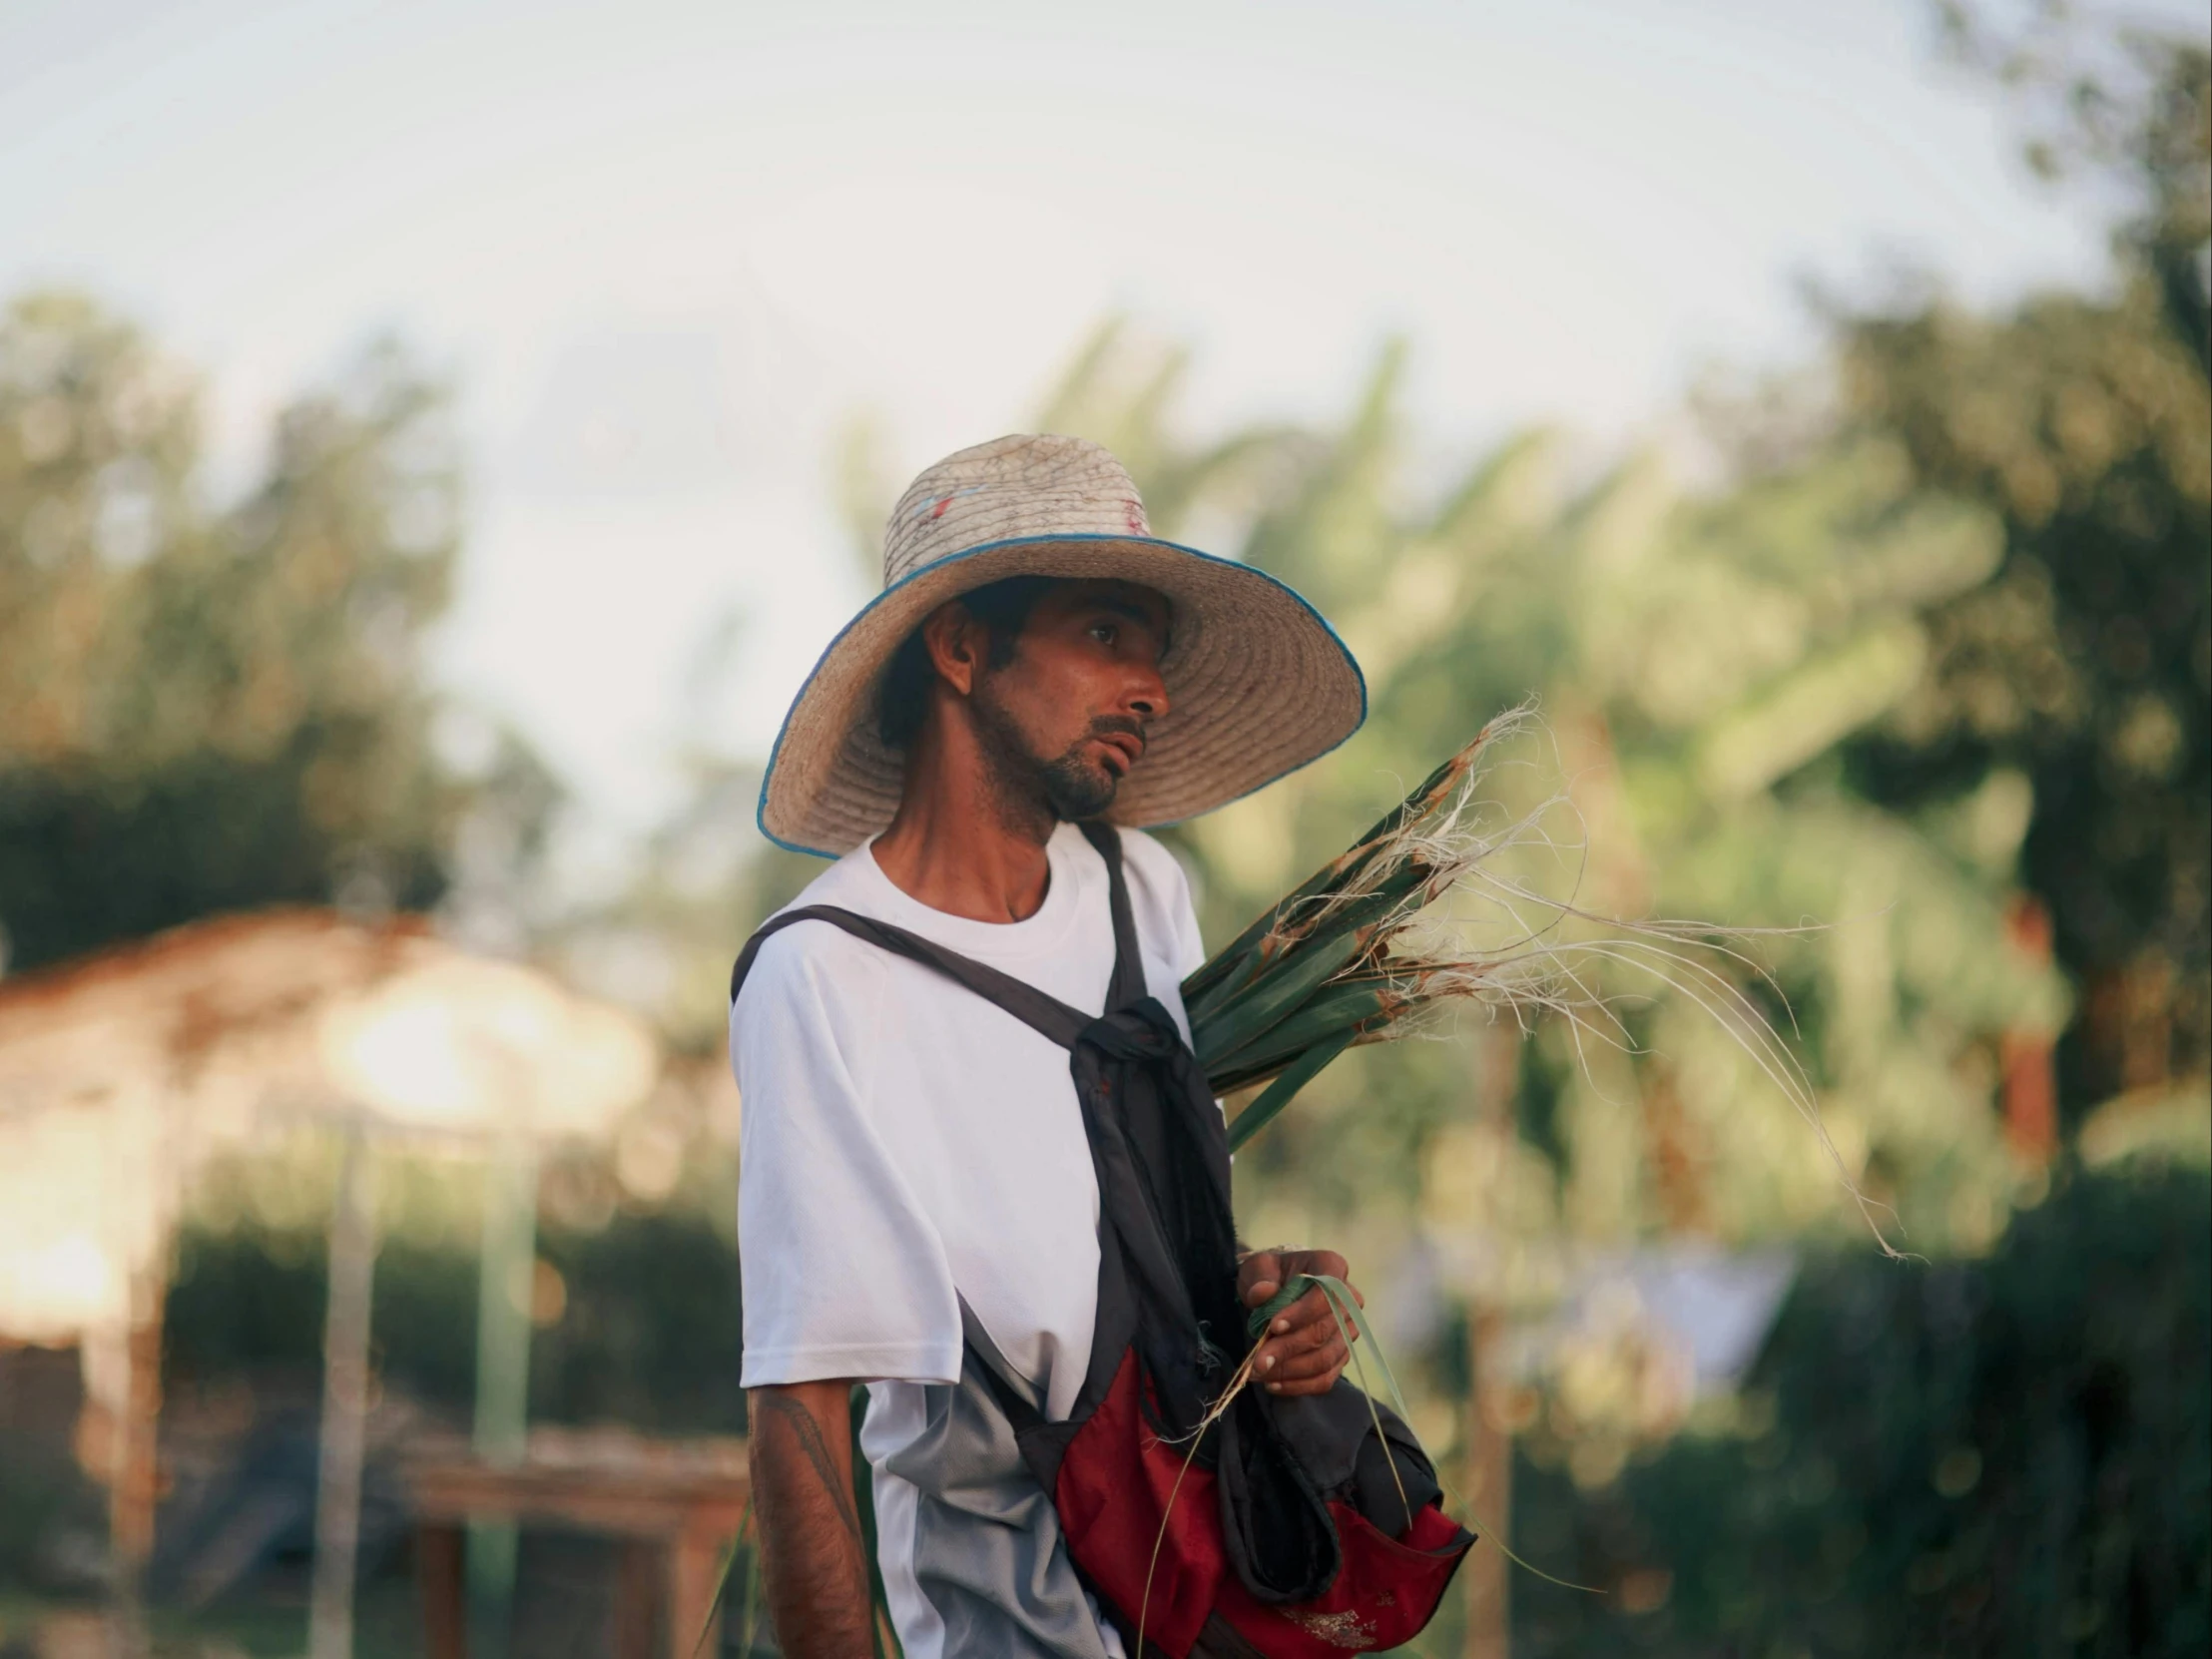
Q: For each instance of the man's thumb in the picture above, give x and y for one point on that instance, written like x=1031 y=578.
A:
x=1263 y=1277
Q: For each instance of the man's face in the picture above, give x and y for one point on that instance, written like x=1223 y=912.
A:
x=1066 y=719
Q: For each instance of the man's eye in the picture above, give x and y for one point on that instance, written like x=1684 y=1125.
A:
x=1105 y=633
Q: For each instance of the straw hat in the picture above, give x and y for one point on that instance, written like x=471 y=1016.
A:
x=1258 y=684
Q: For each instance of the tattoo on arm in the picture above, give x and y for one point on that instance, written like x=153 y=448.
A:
x=807 y=1433
x=812 y=1555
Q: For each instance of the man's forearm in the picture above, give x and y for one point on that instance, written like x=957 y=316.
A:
x=813 y=1564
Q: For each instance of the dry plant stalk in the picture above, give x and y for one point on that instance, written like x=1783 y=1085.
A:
x=1365 y=950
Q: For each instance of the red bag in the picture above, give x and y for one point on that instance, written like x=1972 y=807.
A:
x=1121 y=1487
x=1285 y=1529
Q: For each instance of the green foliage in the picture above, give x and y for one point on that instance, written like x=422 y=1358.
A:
x=1700 y=658
x=652 y=1331
x=2008 y=1457
x=647 y=1332
x=2084 y=424
x=203 y=707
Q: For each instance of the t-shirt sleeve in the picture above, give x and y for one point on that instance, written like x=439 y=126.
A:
x=843 y=1275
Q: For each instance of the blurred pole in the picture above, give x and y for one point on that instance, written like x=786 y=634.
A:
x=510 y=1248
x=2028 y=1056
x=134 y=1481
x=345 y=1429
x=1491 y=1496
x=1489 y=1449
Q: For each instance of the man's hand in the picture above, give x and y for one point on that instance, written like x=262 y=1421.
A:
x=813 y=1565
x=1303 y=1352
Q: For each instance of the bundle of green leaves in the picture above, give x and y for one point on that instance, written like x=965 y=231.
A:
x=1365 y=947
x=1313 y=975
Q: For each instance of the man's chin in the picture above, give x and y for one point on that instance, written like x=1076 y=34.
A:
x=1079 y=791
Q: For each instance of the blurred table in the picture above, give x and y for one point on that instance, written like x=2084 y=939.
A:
x=675 y=1505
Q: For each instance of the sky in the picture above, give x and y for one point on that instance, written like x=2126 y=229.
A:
x=665 y=251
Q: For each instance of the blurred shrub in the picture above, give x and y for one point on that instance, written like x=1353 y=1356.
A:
x=2003 y=1458
x=643 y=1327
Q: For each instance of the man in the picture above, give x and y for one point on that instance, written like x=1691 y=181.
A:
x=1037 y=660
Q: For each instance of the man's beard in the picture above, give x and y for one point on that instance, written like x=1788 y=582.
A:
x=1035 y=794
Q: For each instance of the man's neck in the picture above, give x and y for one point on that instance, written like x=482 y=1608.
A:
x=959 y=843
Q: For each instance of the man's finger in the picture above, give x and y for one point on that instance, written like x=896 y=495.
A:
x=1305 y=1339
x=1321 y=1366
x=1310 y=1309
x=1322 y=1264
x=1299 y=1350
x=1258 y=1277
x=1314 y=1308
x=1293 y=1390
x=1304 y=1361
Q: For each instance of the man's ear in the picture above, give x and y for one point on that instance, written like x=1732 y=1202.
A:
x=956 y=644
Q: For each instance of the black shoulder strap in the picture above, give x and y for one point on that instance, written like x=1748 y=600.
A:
x=1048 y=1015
x=1128 y=984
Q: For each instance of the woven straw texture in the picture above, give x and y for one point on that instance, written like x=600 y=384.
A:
x=1258 y=684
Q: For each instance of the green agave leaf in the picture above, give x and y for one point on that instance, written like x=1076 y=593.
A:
x=1369 y=910
x=1336 y=1009
x=1276 y=996
x=1331 y=877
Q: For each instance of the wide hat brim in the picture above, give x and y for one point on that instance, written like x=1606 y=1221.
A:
x=1258 y=684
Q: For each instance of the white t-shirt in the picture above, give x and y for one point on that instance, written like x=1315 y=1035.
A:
x=903 y=1138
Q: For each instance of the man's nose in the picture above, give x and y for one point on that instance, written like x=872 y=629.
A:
x=1148 y=699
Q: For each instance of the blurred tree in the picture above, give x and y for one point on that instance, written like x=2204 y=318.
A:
x=1700 y=658
x=2117 y=108
x=1703 y=659
x=2086 y=663
x=203 y=708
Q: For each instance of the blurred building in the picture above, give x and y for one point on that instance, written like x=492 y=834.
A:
x=125 y=1075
